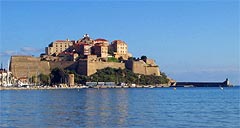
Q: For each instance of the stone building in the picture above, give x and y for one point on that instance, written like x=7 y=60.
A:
x=86 y=39
x=120 y=49
x=6 y=78
x=101 y=41
x=85 y=49
x=58 y=46
x=101 y=50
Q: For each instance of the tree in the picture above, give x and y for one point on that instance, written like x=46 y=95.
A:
x=32 y=79
x=44 y=79
x=120 y=59
x=144 y=58
x=110 y=51
x=58 y=76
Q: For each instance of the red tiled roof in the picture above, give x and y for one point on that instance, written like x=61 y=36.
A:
x=118 y=41
x=65 y=41
x=98 y=44
x=60 y=40
x=100 y=39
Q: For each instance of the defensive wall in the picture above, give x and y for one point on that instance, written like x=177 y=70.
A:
x=88 y=68
x=28 y=66
x=141 y=67
x=71 y=65
x=92 y=67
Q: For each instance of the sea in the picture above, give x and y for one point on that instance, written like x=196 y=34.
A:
x=209 y=107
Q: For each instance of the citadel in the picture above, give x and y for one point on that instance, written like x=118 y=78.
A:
x=85 y=56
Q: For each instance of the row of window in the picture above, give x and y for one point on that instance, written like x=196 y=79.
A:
x=66 y=46
x=122 y=47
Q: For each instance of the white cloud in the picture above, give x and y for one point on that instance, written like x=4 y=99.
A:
x=29 y=49
x=22 y=51
x=8 y=53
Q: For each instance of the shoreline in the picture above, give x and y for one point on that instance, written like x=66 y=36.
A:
x=95 y=87
x=80 y=87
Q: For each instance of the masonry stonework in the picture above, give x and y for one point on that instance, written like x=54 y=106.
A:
x=141 y=67
x=28 y=66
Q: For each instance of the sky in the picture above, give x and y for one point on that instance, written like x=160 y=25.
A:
x=189 y=40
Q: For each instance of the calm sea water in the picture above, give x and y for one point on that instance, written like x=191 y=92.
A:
x=157 y=107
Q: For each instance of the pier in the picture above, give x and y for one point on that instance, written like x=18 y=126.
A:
x=226 y=83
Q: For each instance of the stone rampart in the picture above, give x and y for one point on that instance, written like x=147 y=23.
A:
x=72 y=65
x=88 y=68
x=28 y=66
x=152 y=70
x=141 y=67
x=82 y=67
x=92 y=67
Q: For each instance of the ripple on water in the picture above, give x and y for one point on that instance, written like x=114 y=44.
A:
x=159 y=107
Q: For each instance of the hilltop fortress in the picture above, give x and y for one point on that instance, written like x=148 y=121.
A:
x=85 y=56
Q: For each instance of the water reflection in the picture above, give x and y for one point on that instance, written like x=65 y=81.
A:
x=194 y=107
x=109 y=106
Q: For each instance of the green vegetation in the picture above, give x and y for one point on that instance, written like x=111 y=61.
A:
x=107 y=75
x=110 y=51
x=44 y=79
x=127 y=76
x=112 y=59
x=143 y=57
x=58 y=76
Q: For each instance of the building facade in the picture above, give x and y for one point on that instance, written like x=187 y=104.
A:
x=59 y=46
x=86 y=46
x=6 y=78
x=100 y=48
x=120 y=49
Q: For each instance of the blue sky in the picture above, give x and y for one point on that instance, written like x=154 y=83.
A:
x=190 y=40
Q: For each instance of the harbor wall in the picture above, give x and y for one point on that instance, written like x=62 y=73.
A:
x=226 y=83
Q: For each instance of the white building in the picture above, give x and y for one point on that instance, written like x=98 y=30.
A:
x=6 y=78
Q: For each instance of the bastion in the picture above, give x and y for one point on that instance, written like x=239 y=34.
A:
x=28 y=66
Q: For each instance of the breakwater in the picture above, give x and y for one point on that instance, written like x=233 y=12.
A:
x=226 y=83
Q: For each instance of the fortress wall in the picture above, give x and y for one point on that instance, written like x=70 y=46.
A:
x=141 y=67
x=129 y=64
x=62 y=64
x=154 y=70
x=28 y=66
x=93 y=66
x=82 y=67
